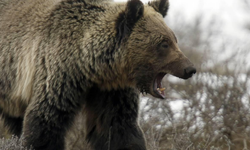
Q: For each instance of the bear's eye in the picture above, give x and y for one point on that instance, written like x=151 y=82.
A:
x=164 y=45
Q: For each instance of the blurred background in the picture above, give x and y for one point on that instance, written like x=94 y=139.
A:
x=211 y=110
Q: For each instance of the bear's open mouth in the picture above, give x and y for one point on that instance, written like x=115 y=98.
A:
x=158 y=89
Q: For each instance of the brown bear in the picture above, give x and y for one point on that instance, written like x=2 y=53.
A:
x=59 y=56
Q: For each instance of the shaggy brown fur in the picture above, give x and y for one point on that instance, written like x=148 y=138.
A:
x=57 y=56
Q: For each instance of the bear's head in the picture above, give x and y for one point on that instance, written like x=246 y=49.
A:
x=151 y=46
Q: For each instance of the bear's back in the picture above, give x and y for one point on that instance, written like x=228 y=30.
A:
x=17 y=12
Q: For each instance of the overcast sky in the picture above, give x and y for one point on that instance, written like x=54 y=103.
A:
x=233 y=14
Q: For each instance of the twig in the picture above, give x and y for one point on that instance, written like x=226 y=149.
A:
x=245 y=144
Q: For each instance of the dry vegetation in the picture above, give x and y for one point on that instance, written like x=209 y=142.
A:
x=215 y=112
x=13 y=143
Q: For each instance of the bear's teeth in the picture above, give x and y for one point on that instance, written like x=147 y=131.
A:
x=160 y=89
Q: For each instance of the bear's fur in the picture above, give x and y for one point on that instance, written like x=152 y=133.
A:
x=58 y=56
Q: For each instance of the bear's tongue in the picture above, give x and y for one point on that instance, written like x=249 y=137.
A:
x=158 y=89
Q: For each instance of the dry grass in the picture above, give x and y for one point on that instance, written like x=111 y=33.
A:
x=13 y=143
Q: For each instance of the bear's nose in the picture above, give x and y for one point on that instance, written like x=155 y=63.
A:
x=189 y=71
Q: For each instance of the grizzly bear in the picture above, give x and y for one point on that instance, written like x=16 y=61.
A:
x=60 y=56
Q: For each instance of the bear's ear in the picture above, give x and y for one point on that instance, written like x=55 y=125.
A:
x=134 y=11
x=128 y=18
x=160 y=6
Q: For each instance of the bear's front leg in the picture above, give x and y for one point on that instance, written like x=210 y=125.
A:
x=50 y=115
x=45 y=131
x=112 y=120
